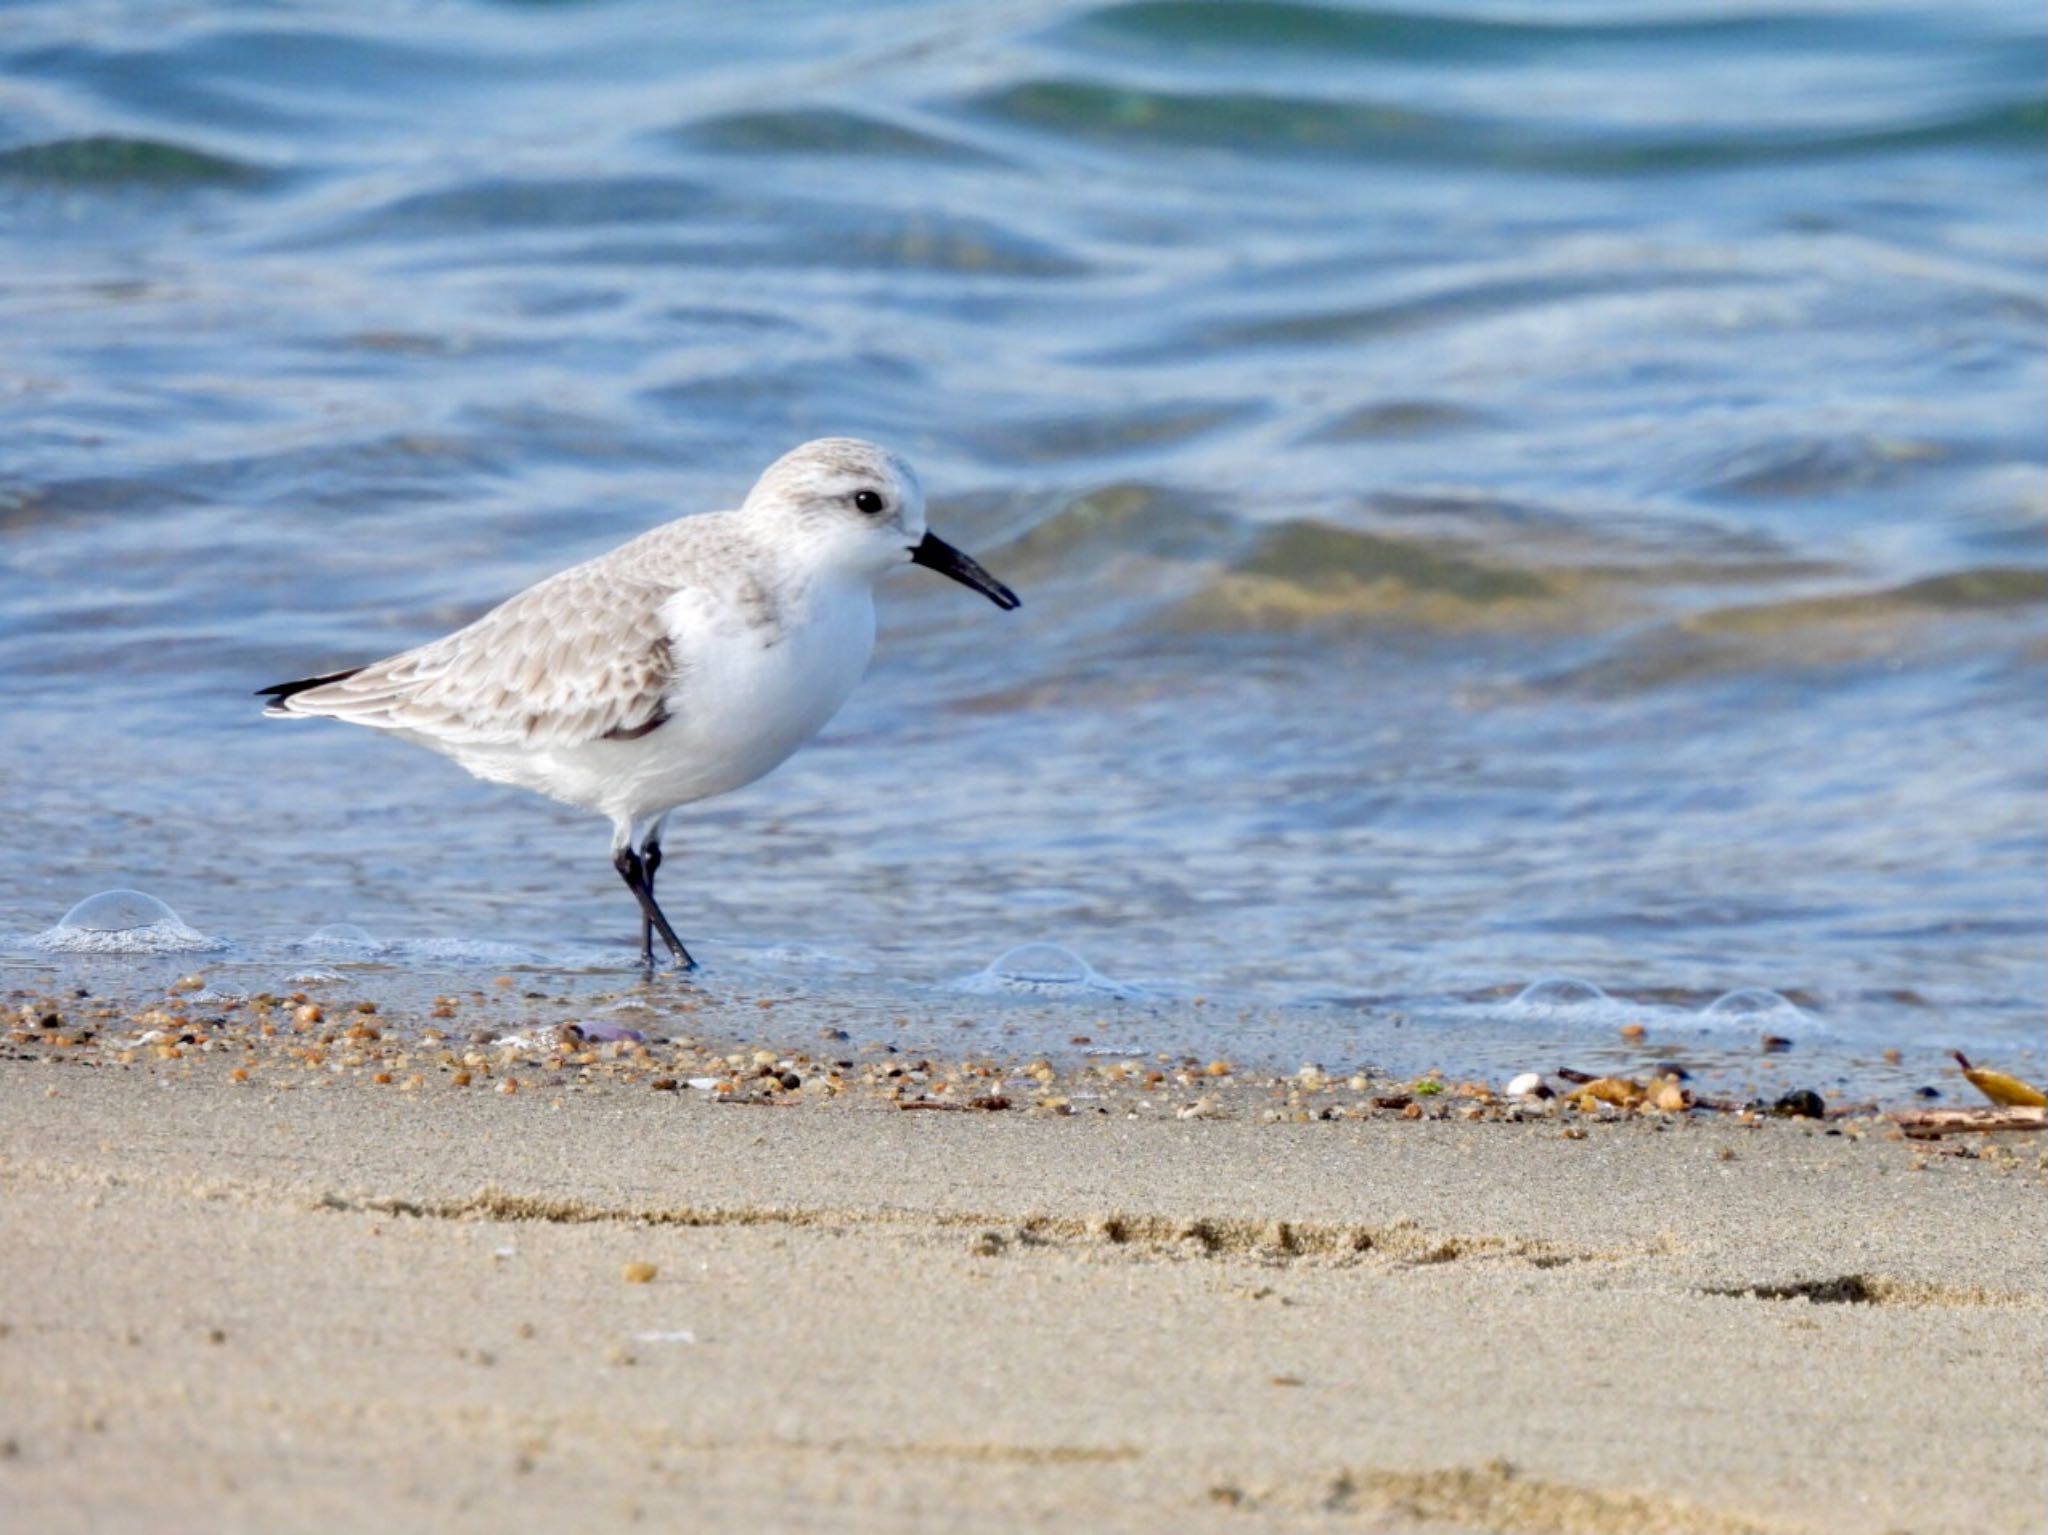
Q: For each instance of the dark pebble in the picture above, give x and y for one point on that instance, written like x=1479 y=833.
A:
x=1801 y=1103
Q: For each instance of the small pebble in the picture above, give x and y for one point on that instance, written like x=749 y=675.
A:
x=639 y=1273
x=1801 y=1103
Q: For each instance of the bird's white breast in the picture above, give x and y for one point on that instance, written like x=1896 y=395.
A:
x=757 y=675
x=754 y=688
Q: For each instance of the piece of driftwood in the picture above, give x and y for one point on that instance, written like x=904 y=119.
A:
x=989 y=1104
x=1932 y=1124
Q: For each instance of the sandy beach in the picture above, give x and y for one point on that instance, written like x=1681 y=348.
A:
x=257 y=1291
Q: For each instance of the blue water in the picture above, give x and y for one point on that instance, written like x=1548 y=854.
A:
x=1500 y=491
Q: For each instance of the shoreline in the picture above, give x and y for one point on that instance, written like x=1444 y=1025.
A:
x=394 y=1029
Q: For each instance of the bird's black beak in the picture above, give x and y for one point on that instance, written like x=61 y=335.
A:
x=936 y=554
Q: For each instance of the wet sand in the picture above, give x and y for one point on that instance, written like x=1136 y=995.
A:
x=307 y=1298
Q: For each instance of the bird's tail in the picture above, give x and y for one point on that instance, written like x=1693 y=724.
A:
x=276 y=694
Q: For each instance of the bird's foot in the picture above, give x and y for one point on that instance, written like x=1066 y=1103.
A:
x=682 y=963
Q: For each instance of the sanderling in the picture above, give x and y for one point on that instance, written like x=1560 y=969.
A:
x=681 y=665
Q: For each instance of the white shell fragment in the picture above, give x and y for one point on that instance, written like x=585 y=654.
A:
x=1530 y=1084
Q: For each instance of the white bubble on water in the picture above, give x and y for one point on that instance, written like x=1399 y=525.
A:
x=1560 y=991
x=805 y=956
x=1044 y=970
x=1042 y=964
x=123 y=922
x=469 y=951
x=1757 y=1006
x=340 y=940
x=117 y=911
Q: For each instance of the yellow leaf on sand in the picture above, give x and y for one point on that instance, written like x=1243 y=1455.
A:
x=2007 y=1092
x=1619 y=1091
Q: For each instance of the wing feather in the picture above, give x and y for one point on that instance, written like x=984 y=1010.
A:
x=581 y=656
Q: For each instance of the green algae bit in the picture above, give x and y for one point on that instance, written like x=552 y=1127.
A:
x=109 y=158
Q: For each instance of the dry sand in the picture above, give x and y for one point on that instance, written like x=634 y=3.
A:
x=229 y=1306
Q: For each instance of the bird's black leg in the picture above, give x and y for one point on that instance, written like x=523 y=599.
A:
x=650 y=861
x=634 y=872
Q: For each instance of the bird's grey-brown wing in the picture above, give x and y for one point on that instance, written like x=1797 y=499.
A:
x=582 y=656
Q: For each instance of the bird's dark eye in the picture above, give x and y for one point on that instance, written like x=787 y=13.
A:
x=867 y=501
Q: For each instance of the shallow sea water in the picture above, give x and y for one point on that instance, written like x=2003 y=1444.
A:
x=1503 y=494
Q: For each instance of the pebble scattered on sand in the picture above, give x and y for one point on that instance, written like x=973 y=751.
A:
x=502 y=1039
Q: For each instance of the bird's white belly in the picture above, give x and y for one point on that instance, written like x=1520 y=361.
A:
x=747 y=695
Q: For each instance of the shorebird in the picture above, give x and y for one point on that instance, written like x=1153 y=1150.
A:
x=683 y=664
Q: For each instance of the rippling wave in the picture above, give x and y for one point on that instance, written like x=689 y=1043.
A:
x=1252 y=123
x=1497 y=492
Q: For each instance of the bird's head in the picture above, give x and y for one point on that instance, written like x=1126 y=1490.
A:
x=858 y=508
